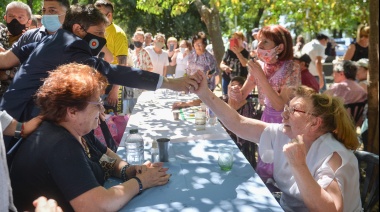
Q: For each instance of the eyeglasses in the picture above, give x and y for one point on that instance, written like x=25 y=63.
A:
x=291 y=110
x=100 y=103
x=198 y=44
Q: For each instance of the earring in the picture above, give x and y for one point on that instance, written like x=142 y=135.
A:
x=276 y=56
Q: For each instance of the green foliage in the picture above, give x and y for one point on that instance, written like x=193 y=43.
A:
x=174 y=16
x=302 y=16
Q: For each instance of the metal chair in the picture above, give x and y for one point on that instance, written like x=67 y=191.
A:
x=356 y=110
x=369 y=179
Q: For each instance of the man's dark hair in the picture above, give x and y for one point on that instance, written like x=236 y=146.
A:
x=238 y=79
x=304 y=58
x=104 y=3
x=322 y=37
x=84 y=15
x=349 y=69
x=64 y=3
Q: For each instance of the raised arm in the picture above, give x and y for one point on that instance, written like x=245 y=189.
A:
x=246 y=128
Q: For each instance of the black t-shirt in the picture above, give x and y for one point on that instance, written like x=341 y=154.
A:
x=52 y=163
x=231 y=60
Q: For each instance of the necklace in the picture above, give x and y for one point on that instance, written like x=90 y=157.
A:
x=85 y=147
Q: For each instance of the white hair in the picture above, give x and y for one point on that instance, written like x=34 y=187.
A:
x=21 y=5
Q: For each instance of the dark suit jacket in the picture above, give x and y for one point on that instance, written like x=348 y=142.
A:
x=62 y=48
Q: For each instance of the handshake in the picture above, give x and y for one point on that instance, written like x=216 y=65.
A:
x=188 y=83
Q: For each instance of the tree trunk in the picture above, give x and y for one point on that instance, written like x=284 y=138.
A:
x=373 y=87
x=211 y=18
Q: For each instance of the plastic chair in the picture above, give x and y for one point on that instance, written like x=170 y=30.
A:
x=356 y=110
x=369 y=178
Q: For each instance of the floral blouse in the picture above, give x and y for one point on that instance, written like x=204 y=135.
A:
x=142 y=60
x=205 y=62
x=280 y=74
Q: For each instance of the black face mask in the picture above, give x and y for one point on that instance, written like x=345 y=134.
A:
x=96 y=43
x=15 y=28
x=138 y=44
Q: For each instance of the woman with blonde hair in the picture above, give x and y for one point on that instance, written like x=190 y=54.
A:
x=359 y=49
x=311 y=149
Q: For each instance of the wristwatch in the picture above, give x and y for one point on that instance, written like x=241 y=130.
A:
x=8 y=72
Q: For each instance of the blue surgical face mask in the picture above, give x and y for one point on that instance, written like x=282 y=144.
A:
x=51 y=22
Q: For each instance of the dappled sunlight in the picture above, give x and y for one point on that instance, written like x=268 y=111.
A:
x=197 y=183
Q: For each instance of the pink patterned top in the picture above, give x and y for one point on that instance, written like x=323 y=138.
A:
x=282 y=73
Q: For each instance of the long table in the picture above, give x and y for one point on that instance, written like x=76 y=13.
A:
x=197 y=183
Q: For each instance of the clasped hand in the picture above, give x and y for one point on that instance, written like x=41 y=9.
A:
x=152 y=174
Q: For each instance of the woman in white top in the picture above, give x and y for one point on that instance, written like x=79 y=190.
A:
x=311 y=150
x=180 y=58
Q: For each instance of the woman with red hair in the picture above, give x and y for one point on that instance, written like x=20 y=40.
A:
x=273 y=75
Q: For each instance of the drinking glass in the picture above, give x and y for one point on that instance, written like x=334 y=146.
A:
x=225 y=158
x=211 y=117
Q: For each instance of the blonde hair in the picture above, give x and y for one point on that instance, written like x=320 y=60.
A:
x=240 y=35
x=159 y=35
x=138 y=32
x=363 y=30
x=335 y=117
x=172 y=39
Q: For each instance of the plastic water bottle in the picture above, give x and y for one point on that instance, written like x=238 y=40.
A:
x=154 y=152
x=134 y=147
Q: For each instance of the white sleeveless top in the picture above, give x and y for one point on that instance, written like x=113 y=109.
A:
x=271 y=145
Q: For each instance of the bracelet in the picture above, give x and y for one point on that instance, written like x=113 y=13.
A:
x=123 y=172
x=140 y=184
x=19 y=129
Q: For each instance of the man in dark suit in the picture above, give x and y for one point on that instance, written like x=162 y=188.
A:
x=80 y=40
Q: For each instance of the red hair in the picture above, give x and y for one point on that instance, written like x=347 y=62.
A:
x=279 y=35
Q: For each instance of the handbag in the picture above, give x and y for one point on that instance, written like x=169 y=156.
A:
x=110 y=142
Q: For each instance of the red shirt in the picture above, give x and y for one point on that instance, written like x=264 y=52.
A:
x=309 y=80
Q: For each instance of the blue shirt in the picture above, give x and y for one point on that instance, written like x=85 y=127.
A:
x=61 y=48
x=30 y=36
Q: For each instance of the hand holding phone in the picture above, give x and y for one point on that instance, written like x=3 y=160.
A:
x=171 y=47
x=233 y=43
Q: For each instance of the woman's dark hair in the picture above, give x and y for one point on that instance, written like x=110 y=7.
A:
x=239 y=79
x=84 y=15
x=200 y=35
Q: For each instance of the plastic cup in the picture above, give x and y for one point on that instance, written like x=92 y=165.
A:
x=176 y=114
x=211 y=117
